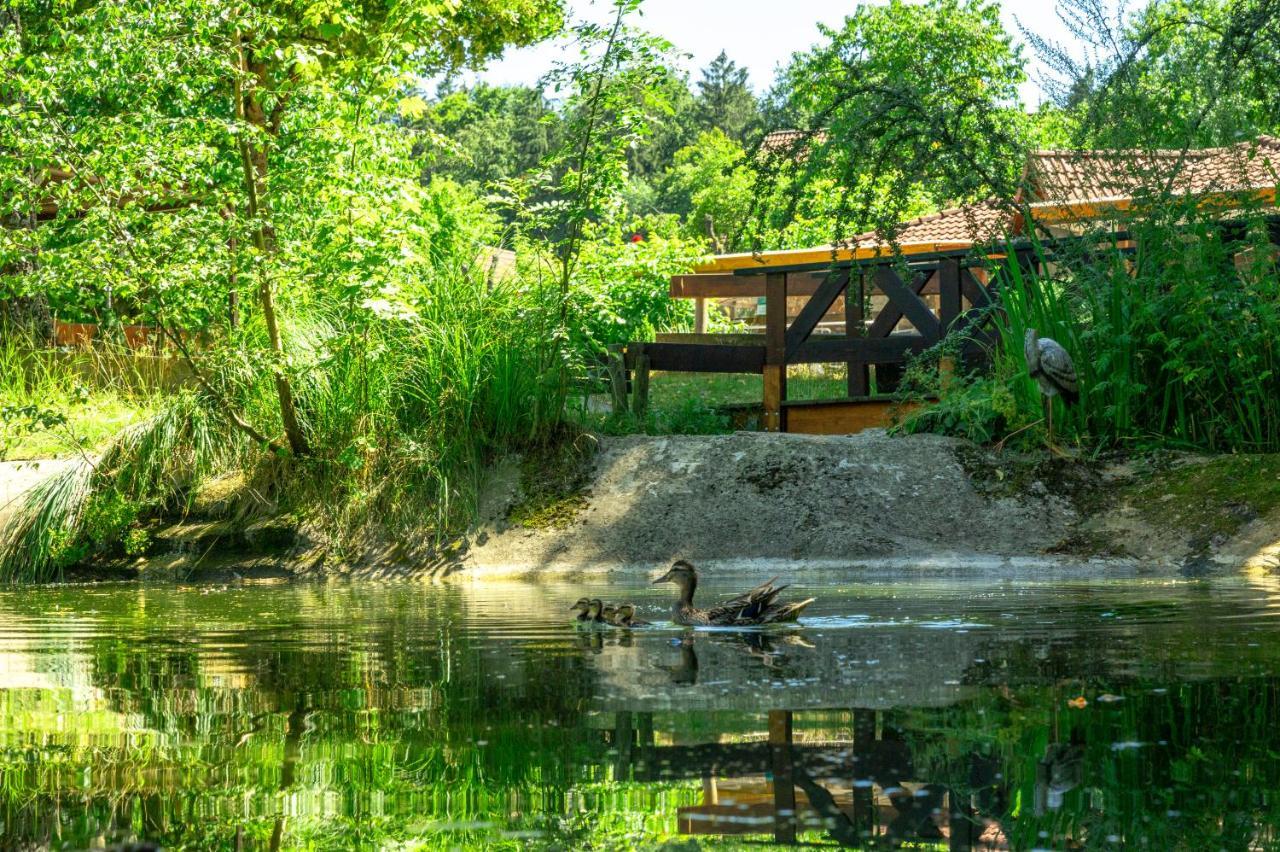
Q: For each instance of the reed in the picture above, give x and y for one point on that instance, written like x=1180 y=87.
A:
x=1175 y=342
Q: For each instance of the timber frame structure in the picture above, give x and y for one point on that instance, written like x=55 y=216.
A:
x=963 y=283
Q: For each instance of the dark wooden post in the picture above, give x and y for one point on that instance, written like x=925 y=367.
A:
x=640 y=382
x=948 y=293
x=616 y=367
x=855 y=296
x=864 y=805
x=784 y=791
x=775 y=352
x=623 y=742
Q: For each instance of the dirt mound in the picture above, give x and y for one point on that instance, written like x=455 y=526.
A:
x=754 y=496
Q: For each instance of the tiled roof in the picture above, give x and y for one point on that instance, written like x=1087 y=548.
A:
x=1074 y=176
x=972 y=223
x=789 y=140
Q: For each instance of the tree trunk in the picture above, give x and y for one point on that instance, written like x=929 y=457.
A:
x=254 y=160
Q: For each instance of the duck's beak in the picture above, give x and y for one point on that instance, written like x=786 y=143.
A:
x=575 y=606
x=665 y=578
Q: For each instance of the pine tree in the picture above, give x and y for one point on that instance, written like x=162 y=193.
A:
x=725 y=100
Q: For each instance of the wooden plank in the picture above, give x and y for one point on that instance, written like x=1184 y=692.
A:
x=821 y=256
x=913 y=307
x=842 y=417
x=815 y=309
x=726 y=285
x=714 y=339
x=705 y=358
x=775 y=352
x=868 y=350
x=948 y=294
x=700 y=315
x=891 y=314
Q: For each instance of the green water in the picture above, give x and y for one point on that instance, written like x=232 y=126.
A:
x=944 y=714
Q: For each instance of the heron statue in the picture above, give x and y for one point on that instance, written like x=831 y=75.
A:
x=1051 y=366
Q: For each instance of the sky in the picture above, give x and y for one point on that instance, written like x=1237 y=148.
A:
x=758 y=34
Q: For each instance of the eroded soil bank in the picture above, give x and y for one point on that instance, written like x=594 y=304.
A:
x=873 y=499
x=753 y=501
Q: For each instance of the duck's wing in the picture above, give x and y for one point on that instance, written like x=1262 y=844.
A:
x=752 y=594
x=778 y=613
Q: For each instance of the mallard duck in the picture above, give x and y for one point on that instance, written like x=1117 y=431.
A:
x=625 y=616
x=749 y=608
x=609 y=614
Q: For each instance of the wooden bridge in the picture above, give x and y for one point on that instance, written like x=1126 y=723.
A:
x=864 y=309
x=868 y=314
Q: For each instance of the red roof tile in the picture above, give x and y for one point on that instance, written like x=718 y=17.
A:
x=1073 y=176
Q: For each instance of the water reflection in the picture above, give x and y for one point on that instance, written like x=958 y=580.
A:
x=944 y=715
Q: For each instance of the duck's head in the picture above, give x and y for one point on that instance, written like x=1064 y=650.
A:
x=581 y=606
x=626 y=612
x=681 y=573
x=593 y=608
x=609 y=612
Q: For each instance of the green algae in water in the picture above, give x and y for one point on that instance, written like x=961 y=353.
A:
x=1101 y=714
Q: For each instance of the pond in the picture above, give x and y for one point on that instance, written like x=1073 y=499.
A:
x=942 y=713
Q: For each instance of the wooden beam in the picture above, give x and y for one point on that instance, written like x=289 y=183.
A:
x=891 y=314
x=974 y=290
x=705 y=358
x=784 y=790
x=869 y=350
x=823 y=254
x=913 y=307
x=842 y=417
x=948 y=294
x=775 y=353
x=854 y=328
x=700 y=315
x=815 y=309
x=716 y=339
x=729 y=286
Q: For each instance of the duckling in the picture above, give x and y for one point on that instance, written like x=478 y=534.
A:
x=609 y=614
x=749 y=608
x=581 y=608
x=626 y=617
x=594 y=609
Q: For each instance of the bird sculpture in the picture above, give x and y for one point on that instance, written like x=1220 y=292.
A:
x=753 y=607
x=1052 y=368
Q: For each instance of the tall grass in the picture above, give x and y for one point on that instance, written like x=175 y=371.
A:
x=1175 y=335
x=403 y=404
x=1177 y=342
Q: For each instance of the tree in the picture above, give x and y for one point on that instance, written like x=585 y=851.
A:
x=725 y=100
x=1177 y=73
x=904 y=103
x=195 y=105
x=488 y=133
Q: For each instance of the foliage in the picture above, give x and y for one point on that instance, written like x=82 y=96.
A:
x=621 y=287
x=489 y=134
x=725 y=100
x=1174 y=345
x=1175 y=73
x=903 y=104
